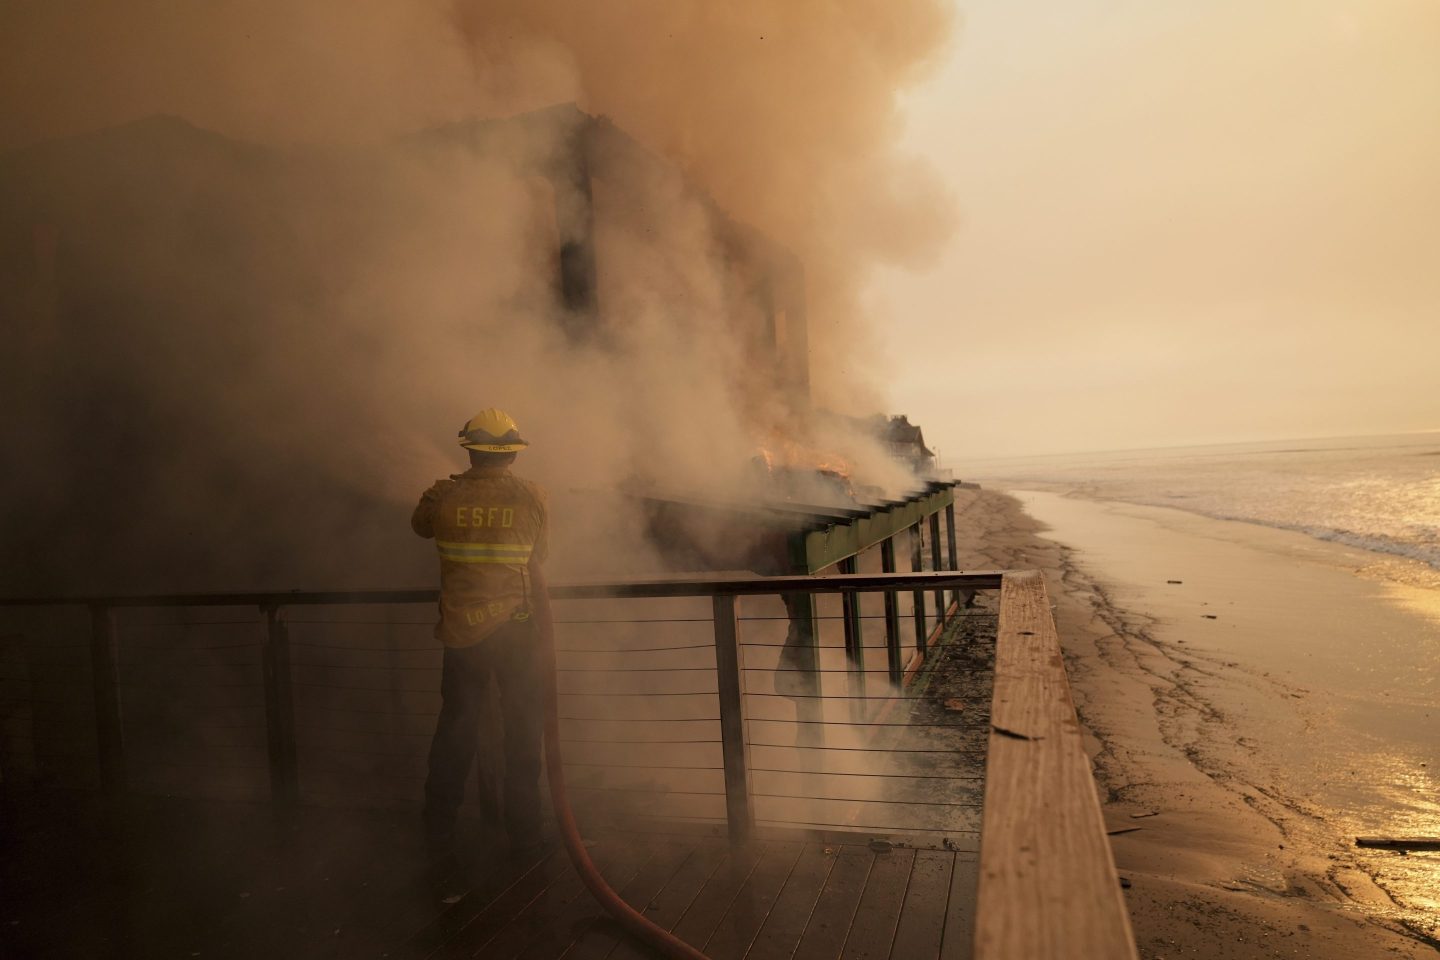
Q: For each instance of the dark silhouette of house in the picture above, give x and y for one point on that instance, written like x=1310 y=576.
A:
x=906 y=443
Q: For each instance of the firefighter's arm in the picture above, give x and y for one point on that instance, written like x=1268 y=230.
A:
x=542 y=526
x=540 y=599
x=422 y=521
x=536 y=567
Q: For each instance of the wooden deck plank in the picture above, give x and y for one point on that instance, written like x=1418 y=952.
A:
x=86 y=889
x=796 y=895
x=781 y=932
x=922 y=917
x=599 y=937
x=829 y=923
x=1048 y=886
x=564 y=903
x=383 y=898
x=418 y=903
x=756 y=901
x=873 y=929
x=959 y=939
x=673 y=902
x=714 y=899
x=171 y=877
x=450 y=933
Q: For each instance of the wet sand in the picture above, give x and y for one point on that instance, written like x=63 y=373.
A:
x=1240 y=725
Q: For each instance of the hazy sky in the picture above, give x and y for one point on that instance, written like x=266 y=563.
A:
x=1183 y=222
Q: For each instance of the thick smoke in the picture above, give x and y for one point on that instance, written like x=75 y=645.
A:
x=784 y=112
x=263 y=322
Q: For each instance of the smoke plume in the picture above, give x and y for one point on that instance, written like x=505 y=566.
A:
x=249 y=305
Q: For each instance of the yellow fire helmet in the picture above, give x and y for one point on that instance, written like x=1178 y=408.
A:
x=491 y=431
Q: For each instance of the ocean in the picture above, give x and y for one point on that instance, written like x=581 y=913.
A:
x=1319 y=665
x=1380 y=494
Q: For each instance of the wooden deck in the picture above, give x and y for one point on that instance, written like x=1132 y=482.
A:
x=170 y=878
x=135 y=875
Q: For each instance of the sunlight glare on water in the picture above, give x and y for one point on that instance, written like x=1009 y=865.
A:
x=1376 y=493
x=1351 y=745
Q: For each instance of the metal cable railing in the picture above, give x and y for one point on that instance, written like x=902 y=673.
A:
x=646 y=719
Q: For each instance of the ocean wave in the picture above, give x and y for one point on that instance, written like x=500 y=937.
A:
x=1381 y=496
x=1428 y=554
x=1375 y=543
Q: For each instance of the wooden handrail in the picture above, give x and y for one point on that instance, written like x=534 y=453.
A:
x=1048 y=887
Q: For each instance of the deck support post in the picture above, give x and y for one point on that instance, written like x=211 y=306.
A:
x=892 y=614
x=105 y=677
x=733 y=747
x=935 y=562
x=801 y=653
x=954 y=553
x=917 y=565
x=854 y=641
x=279 y=710
x=850 y=611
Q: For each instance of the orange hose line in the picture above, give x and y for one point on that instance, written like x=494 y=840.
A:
x=656 y=936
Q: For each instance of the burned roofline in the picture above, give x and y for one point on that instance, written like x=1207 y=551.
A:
x=779 y=536
x=809 y=514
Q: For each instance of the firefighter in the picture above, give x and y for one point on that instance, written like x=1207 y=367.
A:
x=490 y=529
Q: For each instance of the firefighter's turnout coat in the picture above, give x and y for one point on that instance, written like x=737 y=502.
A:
x=488 y=526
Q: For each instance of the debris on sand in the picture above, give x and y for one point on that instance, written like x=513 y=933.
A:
x=1399 y=843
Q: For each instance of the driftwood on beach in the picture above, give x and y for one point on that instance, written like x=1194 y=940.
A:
x=1399 y=843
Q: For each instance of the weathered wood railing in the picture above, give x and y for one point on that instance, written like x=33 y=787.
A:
x=1048 y=887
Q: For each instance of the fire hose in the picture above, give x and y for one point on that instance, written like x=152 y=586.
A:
x=656 y=936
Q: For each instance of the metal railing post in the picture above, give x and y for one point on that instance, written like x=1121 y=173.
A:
x=109 y=728
x=850 y=617
x=733 y=747
x=954 y=552
x=854 y=643
x=917 y=564
x=279 y=709
x=892 y=614
x=940 y=605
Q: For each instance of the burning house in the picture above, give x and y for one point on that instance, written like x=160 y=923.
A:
x=265 y=332
x=238 y=363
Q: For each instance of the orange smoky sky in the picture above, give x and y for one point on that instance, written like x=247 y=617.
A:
x=1181 y=223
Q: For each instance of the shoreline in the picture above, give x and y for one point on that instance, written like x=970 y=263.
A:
x=1220 y=860
x=1368 y=555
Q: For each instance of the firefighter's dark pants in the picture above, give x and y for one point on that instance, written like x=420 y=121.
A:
x=509 y=654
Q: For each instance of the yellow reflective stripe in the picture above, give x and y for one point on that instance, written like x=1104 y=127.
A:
x=485 y=552
x=512 y=561
x=486 y=547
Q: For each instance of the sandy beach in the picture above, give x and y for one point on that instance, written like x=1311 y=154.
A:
x=1246 y=722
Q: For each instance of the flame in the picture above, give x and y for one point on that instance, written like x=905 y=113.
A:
x=785 y=453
